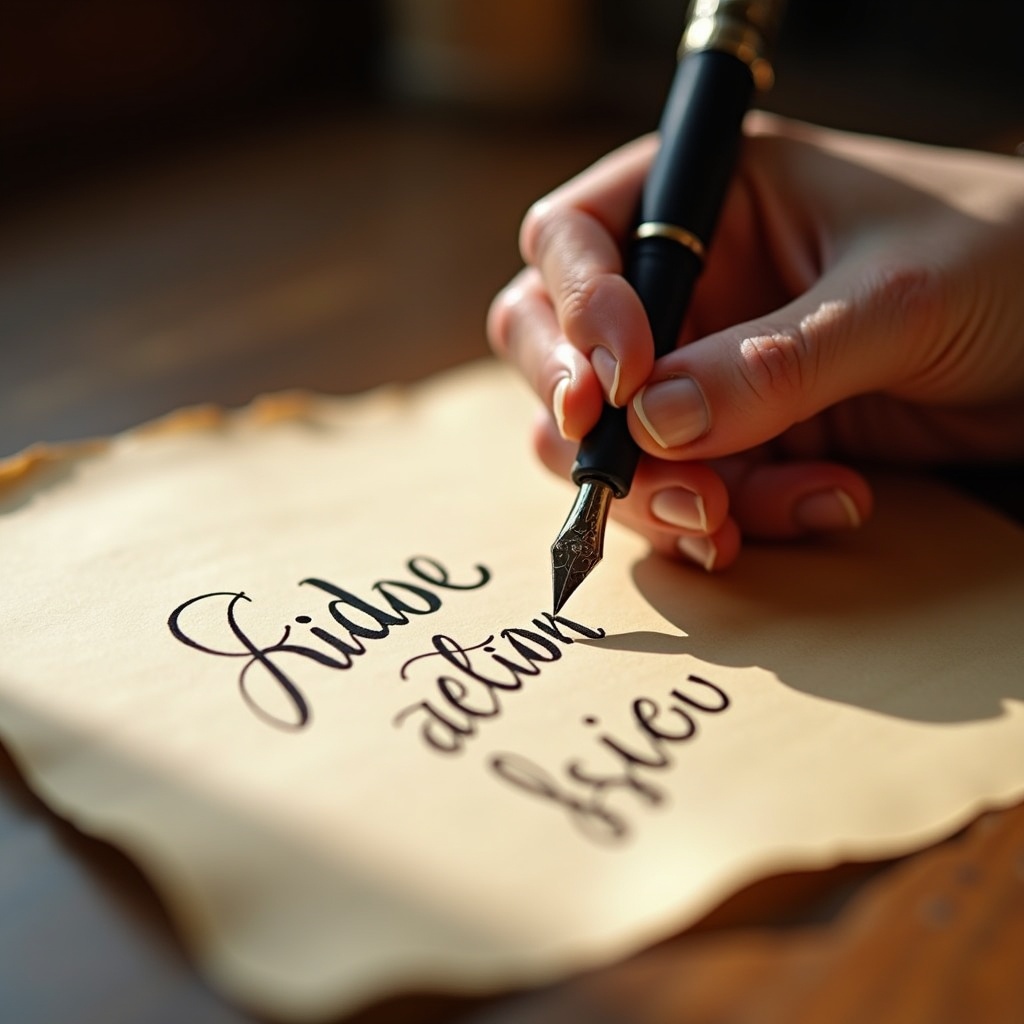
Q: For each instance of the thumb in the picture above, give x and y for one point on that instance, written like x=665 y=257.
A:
x=860 y=328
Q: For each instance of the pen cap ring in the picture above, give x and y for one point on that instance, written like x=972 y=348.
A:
x=660 y=229
x=744 y=28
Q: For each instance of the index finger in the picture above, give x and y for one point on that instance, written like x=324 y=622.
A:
x=607 y=191
x=573 y=237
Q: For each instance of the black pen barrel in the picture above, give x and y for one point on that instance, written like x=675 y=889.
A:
x=700 y=133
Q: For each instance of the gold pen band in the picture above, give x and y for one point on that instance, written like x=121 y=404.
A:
x=659 y=229
x=744 y=28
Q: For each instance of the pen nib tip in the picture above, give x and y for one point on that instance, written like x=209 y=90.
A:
x=580 y=543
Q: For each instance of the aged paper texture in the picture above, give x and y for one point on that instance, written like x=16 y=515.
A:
x=299 y=663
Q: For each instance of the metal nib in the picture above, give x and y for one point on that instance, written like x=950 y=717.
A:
x=580 y=544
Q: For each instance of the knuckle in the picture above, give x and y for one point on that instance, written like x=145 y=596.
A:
x=909 y=305
x=576 y=314
x=497 y=325
x=504 y=314
x=911 y=294
x=539 y=224
x=777 y=363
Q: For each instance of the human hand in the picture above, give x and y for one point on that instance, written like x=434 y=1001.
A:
x=863 y=299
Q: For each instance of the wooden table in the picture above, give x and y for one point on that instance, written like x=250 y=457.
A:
x=335 y=254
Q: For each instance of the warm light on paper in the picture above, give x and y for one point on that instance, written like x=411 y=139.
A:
x=300 y=663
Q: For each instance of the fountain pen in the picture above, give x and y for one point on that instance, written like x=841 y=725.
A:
x=722 y=60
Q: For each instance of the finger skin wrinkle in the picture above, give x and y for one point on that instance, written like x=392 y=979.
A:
x=914 y=293
x=582 y=323
x=774 y=364
x=913 y=303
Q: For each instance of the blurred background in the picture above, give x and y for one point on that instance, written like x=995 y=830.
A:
x=205 y=200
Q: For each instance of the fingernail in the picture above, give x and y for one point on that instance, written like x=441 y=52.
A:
x=700 y=550
x=678 y=506
x=558 y=404
x=673 y=411
x=606 y=366
x=827 y=510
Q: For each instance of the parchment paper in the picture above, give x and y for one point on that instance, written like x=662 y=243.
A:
x=297 y=663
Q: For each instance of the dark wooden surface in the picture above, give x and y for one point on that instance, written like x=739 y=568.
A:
x=338 y=253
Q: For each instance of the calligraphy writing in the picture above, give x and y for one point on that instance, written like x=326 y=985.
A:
x=585 y=793
x=472 y=690
x=361 y=620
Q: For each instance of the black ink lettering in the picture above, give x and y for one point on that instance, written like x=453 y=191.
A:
x=534 y=649
x=515 y=668
x=431 y=601
x=651 y=720
x=383 y=619
x=349 y=650
x=257 y=656
x=592 y=818
x=458 y=657
x=448 y=740
x=441 y=578
x=372 y=622
x=518 y=637
x=659 y=759
x=723 y=698
x=552 y=630
x=455 y=692
x=645 y=711
x=627 y=780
